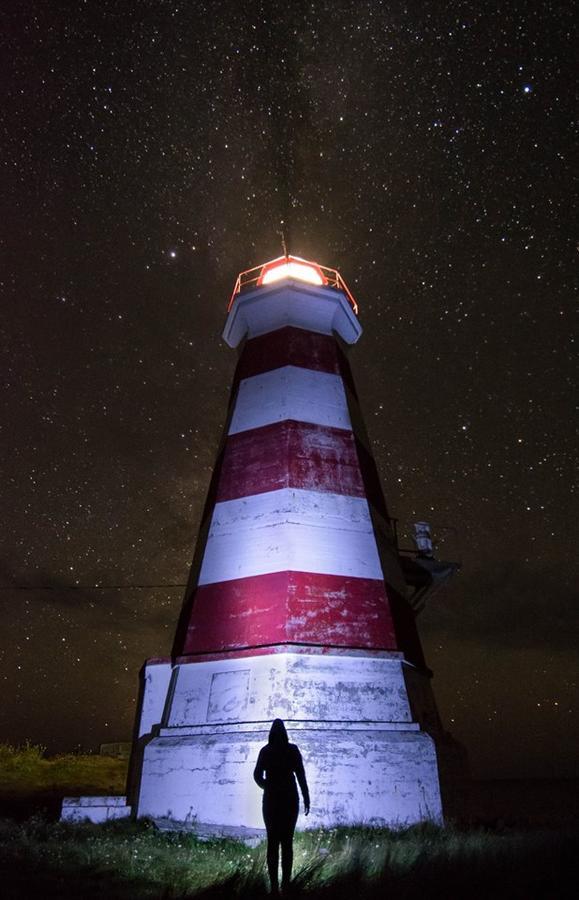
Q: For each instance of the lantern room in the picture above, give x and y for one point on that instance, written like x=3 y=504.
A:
x=295 y=268
x=291 y=267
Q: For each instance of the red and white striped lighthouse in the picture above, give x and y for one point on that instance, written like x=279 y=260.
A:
x=296 y=605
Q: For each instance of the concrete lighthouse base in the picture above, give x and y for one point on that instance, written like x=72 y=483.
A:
x=366 y=760
x=366 y=775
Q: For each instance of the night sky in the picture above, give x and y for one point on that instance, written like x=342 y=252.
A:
x=151 y=151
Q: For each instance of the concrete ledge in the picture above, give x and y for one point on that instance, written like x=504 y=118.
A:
x=292 y=724
x=94 y=809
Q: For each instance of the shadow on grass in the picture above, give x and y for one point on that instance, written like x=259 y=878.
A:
x=88 y=883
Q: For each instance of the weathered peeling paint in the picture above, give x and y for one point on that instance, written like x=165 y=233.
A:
x=373 y=777
x=302 y=531
x=290 y=454
x=289 y=347
x=299 y=687
x=303 y=607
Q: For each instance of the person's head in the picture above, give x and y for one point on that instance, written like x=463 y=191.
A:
x=277 y=734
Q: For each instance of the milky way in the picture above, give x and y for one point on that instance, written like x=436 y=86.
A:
x=151 y=151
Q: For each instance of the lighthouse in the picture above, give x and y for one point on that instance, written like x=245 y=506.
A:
x=297 y=605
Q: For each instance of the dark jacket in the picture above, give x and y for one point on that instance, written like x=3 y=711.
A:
x=275 y=770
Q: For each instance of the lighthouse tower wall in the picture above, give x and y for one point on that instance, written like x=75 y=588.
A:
x=295 y=608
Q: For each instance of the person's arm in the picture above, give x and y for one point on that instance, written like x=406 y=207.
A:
x=301 y=777
x=259 y=771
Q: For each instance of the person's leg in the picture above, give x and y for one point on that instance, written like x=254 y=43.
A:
x=287 y=849
x=287 y=859
x=273 y=841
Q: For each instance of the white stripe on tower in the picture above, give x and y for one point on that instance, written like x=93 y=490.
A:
x=290 y=530
x=290 y=392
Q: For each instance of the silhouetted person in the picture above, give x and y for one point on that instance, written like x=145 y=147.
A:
x=277 y=764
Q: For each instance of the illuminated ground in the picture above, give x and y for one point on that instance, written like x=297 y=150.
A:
x=49 y=860
x=42 y=858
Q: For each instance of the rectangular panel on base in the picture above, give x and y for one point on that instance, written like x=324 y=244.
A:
x=293 y=686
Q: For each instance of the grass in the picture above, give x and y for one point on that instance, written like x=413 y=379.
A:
x=129 y=861
x=47 y=859
x=27 y=770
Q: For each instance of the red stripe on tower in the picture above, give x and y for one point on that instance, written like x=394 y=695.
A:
x=294 y=607
x=290 y=454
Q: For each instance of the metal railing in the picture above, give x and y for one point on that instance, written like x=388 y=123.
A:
x=330 y=277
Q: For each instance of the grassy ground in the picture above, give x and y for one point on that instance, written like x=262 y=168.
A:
x=39 y=859
x=27 y=770
x=30 y=781
x=43 y=858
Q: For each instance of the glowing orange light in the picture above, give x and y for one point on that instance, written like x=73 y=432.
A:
x=291 y=267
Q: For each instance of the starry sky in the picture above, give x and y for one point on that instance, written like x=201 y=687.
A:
x=152 y=149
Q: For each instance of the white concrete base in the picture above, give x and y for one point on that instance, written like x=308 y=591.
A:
x=365 y=776
x=94 y=809
x=366 y=760
x=321 y=687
